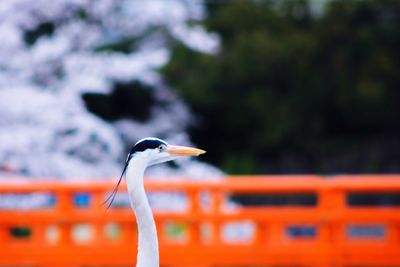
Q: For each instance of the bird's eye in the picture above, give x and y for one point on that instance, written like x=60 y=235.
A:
x=161 y=148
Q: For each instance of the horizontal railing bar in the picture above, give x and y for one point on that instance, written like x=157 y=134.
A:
x=295 y=215
x=231 y=184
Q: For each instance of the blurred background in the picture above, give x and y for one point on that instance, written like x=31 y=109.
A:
x=296 y=87
x=265 y=86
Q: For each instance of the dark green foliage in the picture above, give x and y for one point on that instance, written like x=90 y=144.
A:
x=124 y=46
x=127 y=100
x=43 y=29
x=290 y=91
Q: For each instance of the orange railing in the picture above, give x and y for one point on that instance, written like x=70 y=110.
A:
x=329 y=229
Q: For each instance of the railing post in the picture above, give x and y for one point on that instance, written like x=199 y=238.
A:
x=96 y=206
x=39 y=233
x=129 y=232
x=331 y=203
x=393 y=234
x=217 y=199
x=261 y=233
x=64 y=208
x=274 y=233
x=194 y=223
x=4 y=234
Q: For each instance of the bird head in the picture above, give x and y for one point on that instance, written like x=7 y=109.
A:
x=153 y=151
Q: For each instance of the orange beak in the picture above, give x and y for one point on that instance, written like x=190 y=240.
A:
x=184 y=151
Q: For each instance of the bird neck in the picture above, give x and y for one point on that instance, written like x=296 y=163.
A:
x=147 y=232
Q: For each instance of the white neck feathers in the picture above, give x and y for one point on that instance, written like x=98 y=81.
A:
x=147 y=240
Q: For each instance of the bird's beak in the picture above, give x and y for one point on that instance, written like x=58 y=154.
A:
x=184 y=151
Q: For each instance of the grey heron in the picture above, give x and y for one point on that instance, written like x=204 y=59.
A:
x=146 y=152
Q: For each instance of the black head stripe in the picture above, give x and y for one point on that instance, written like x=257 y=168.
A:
x=150 y=143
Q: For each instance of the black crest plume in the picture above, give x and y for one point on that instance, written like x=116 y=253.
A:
x=111 y=197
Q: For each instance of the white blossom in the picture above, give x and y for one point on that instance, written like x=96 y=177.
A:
x=45 y=128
